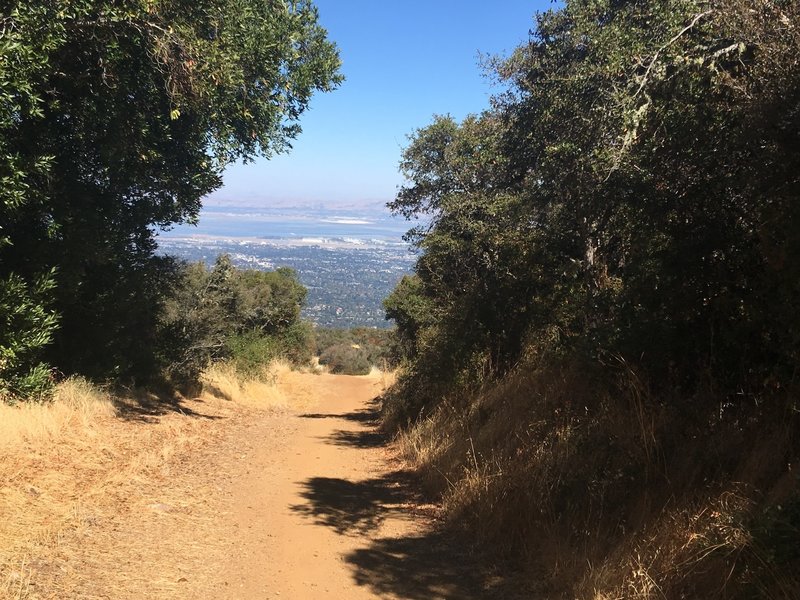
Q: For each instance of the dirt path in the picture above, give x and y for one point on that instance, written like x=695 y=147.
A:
x=225 y=500
x=323 y=516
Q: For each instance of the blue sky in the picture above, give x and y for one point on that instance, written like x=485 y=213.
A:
x=404 y=61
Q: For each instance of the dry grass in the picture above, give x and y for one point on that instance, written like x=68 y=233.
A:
x=38 y=495
x=77 y=406
x=74 y=470
x=385 y=378
x=222 y=381
x=607 y=494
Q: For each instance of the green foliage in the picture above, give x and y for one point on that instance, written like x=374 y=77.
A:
x=411 y=312
x=250 y=352
x=346 y=359
x=376 y=346
x=602 y=332
x=26 y=328
x=116 y=118
x=632 y=195
x=269 y=301
x=249 y=317
x=34 y=384
x=297 y=342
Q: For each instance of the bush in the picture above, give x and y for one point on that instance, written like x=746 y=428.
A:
x=377 y=345
x=26 y=329
x=297 y=343
x=251 y=317
x=251 y=352
x=36 y=384
x=346 y=359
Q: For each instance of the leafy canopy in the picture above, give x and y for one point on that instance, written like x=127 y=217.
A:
x=116 y=118
x=632 y=194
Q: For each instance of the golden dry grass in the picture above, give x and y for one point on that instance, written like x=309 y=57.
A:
x=77 y=405
x=588 y=491
x=384 y=378
x=73 y=470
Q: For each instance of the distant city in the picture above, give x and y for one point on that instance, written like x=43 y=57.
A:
x=348 y=261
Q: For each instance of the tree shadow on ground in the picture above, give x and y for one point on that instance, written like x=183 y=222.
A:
x=369 y=417
x=357 y=439
x=355 y=507
x=427 y=566
x=148 y=406
x=424 y=565
x=217 y=391
x=366 y=416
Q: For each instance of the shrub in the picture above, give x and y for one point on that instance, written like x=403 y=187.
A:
x=346 y=359
x=251 y=317
x=297 y=343
x=251 y=352
x=377 y=345
x=26 y=328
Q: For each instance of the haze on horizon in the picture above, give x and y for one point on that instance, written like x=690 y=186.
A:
x=404 y=62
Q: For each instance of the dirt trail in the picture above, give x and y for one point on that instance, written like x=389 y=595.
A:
x=300 y=504
x=240 y=502
x=325 y=515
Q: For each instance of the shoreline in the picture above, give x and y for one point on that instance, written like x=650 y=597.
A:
x=324 y=243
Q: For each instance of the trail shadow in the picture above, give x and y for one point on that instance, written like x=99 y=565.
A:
x=147 y=406
x=366 y=416
x=217 y=391
x=420 y=566
x=369 y=437
x=357 y=439
x=425 y=567
x=357 y=507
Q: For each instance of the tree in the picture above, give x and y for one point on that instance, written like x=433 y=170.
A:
x=628 y=253
x=116 y=119
x=223 y=313
x=411 y=312
x=632 y=193
x=346 y=359
x=269 y=301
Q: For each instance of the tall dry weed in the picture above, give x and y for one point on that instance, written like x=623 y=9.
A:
x=608 y=492
x=76 y=404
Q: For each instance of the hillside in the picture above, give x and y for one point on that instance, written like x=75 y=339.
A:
x=282 y=490
x=601 y=335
